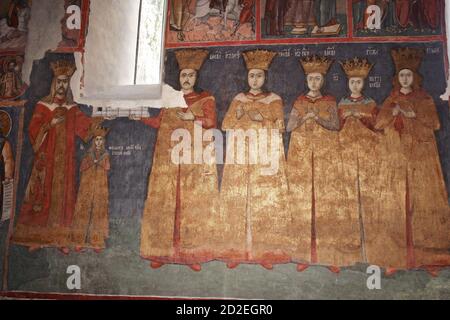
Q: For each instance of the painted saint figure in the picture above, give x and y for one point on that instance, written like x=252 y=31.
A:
x=11 y=84
x=361 y=156
x=325 y=227
x=47 y=210
x=6 y=155
x=409 y=119
x=181 y=206
x=91 y=220
x=255 y=216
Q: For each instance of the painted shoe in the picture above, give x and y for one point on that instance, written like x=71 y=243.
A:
x=267 y=266
x=334 y=269
x=196 y=267
x=390 y=272
x=156 y=265
x=232 y=265
x=302 y=267
x=64 y=250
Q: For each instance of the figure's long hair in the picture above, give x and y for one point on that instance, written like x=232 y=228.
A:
x=49 y=99
x=417 y=81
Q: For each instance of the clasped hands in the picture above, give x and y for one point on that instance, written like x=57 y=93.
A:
x=311 y=115
x=352 y=113
x=186 y=116
x=253 y=114
x=399 y=111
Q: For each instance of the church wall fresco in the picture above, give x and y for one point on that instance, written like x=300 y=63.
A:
x=363 y=163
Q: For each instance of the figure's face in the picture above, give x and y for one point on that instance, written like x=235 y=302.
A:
x=99 y=142
x=11 y=67
x=188 y=78
x=406 y=78
x=256 y=79
x=62 y=85
x=315 y=81
x=356 y=85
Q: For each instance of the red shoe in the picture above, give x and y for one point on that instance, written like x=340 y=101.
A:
x=232 y=265
x=64 y=250
x=196 y=267
x=302 y=267
x=98 y=250
x=33 y=248
x=267 y=266
x=390 y=272
x=334 y=269
x=79 y=249
x=433 y=271
x=156 y=265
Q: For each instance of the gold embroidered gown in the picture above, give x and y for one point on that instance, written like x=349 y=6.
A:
x=362 y=151
x=255 y=218
x=182 y=202
x=326 y=228
x=91 y=218
x=418 y=181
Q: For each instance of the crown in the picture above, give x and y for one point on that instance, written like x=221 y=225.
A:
x=357 y=67
x=258 y=59
x=63 y=67
x=100 y=131
x=407 y=58
x=317 y=64
x=191 y=58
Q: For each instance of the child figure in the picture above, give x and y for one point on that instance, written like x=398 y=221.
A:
x=90 y=225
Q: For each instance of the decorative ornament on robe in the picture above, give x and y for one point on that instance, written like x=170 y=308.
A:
x=419 y=183
x=91 y=220
x=47 y=211
x=255 y=214
x=181 y=209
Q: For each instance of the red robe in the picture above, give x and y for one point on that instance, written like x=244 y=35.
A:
x=47 y=211
x=403 y=8
x=429 y=13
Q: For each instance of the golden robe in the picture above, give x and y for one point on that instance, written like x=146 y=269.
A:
x=255 y=217
x=326 y=227
x=91 y=219
x=419 y=183
x=182 y=200
x=362 y=150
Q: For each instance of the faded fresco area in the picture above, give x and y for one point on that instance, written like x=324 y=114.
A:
x=304 y=19
x=345 y=164
x=14 y=17
x=397 y=18
x=211 y=21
